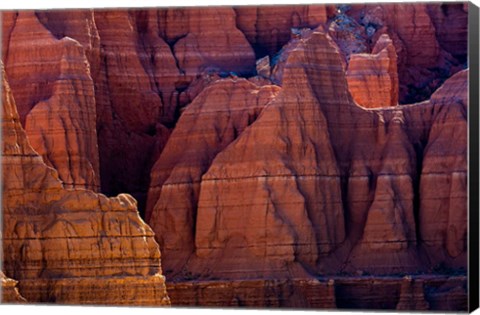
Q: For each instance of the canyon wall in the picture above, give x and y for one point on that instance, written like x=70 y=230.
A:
x=267 y=147
x=70 y=246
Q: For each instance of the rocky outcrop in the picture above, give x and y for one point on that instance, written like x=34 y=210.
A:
x=210 y=123
x=9 y=290
x=412 y=296
x=206 y=38
x=428 y=50
x=55 y=97
x=373 y=78
x=70 y=246
x=443 y=194
x=256 y=190
x=328 y=186
x=288 y=293
x=268 y=28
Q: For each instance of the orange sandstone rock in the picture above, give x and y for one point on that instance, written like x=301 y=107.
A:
x=373 y=78
x=70 y=246
x=204 y=38
x=212 y=122
x=56 y=100
x=268 y=28
x=429 y=48
x=320 y=185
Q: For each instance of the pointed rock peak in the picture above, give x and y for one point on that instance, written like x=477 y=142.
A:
x=373 y=78
x=383 y=42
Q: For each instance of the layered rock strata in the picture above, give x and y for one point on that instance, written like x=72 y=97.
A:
x=291 y=183
x=215 y=119
x=428 y=50
x=70 y=246
x=56 y=100
x=268 y=28
x=319 y=185
x=373 y=78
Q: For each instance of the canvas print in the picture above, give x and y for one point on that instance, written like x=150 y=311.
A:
x=303 y=156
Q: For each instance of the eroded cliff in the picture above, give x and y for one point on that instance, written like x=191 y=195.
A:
x=70 y=246
x=303 y=171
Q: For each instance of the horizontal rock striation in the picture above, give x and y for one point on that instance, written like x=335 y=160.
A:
x=373 y=78
x=320 y=185
x=428 y=50
x=210 y=123
x=360 y=292
x=261 y=179
x=51 y=80
x=291 y=293
x=70 y=246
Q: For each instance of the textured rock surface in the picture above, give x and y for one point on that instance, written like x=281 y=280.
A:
x=207 y=38
x=56 y=100
x=9 y=290
x=268 y=28
x=318 y=184
x=214 y=119
x=255 y=293
x=257 y=190
x=429 y=49
x=412 y=295
x=70 y=246
x=373 y=78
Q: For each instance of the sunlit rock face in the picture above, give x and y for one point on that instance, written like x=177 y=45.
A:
x=280 y=155
x=69 y=246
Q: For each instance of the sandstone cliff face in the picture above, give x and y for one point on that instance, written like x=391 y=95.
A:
x=268 y=28
x=329 y=185
x=56 y=100
x=373 y=78
x=214 y=119
x=70 y=246
x=254 y=190
x=207 y=38
x=428 y=50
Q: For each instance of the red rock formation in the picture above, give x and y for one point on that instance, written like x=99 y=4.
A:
x=135 y=90
x=429 y=48
x=372 y=78
x=451 y=27
x=289 y=184
x=443 y=181
x=305 y=167
x=214 y=119
x=412 y=296
x=256 y=293
x=268 y=28
x=55 y=98
x=206 y=38
x=9 y=290
x=70 y=246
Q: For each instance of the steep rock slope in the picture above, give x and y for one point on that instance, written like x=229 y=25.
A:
x=206 y=38
x=373 y=78
x=140 y=62
x=56 y=98
x=268 y=28
x=214 y=119
x=70 y=246
x=319 y=184
x=291 y=184
x=428 y=50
